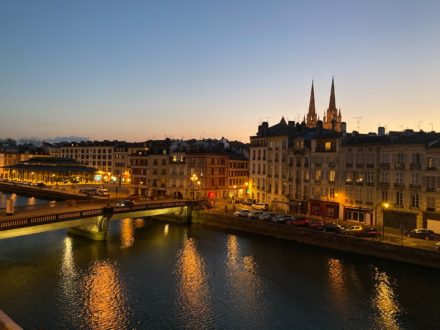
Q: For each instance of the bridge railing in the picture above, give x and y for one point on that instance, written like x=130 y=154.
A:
x=6 y=224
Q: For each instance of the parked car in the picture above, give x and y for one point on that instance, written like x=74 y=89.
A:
x=281 y=218
x=368 y=232
x=317 y=225
x=333 y=228
x=41 y=185
x=437 y=246
x=259 y=206
x=301 y=221
x=242 y=213
x=255 y=214
x=352 y=230
x=125 y=203
x=267 y=216
x=421 y=233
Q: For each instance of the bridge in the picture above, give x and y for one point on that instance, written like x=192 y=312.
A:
x=91 y=220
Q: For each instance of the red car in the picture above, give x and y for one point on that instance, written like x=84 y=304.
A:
x=317 y=225
x=302 y=222
x=368 y=232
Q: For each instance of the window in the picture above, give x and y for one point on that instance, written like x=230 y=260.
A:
x=415 y=178
x=328 y=146
x=332 y=176
x=384 y=176
x=369 y=177
x=430 y=162
x=384 y=195
x=415 y=201
x=317 y=175
x=430 y=203
x=399 y=177
x=399 y=198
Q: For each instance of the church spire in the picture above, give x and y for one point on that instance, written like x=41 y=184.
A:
x=312 y=101
x=332 y=105
x=311 y=115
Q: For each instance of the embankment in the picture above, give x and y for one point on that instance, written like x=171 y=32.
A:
x=369 y=247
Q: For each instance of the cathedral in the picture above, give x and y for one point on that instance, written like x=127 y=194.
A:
x=332 y=118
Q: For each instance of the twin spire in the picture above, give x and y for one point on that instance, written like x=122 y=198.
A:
x=332 y=119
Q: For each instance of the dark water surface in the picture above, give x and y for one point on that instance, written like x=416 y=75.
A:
x=152 y=275
x=20 y=200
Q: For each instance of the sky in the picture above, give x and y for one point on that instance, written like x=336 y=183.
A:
x=135 y=70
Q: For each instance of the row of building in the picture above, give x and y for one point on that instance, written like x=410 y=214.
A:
x=157 y=169
x=318 y=168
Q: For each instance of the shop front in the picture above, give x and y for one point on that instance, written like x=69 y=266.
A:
x=324 y=209
x=359 y=214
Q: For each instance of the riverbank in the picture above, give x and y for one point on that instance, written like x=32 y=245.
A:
x=368 y=247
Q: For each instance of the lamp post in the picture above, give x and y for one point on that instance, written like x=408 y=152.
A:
x=385 y=206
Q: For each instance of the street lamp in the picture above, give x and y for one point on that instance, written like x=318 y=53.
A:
x=385 y=206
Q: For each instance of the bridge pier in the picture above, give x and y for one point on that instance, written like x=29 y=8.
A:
x=96 y=231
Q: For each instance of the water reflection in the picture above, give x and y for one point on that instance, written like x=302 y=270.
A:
x=246 y=285
x=165 y=230
x=338 y=289
x=385 y=302
x=194 y=297
x=104 y=299
x=127 y=233
x=68 y=274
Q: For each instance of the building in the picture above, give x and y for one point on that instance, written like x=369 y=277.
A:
x=50 y=170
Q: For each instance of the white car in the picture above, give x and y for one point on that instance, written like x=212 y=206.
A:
x=242 y=213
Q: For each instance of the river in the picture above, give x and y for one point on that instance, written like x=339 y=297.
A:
x=153 y=275
x=20 y=200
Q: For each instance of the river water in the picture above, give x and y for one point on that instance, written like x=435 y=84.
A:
x=153 y=275
x=20 y=200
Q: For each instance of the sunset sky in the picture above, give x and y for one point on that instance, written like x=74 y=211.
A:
x=135 y=70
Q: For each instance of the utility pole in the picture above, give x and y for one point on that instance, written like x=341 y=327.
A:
x=358 y=120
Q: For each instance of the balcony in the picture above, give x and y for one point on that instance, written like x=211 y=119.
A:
x=369 y=184
x=349 y=165
x=384 y=184
x=415 y=186
x=359 y=165
x=399 y=166
x=399 y=185
x=431 y=168
x=385 y=165
x=431 y=189
x=348 y=182
x=370 y=165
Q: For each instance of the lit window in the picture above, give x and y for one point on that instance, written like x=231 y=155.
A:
x=328 y=146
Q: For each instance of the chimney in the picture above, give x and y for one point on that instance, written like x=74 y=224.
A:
x=265 y=128
x=343 y=127
x=381 y=131
x=319 y=127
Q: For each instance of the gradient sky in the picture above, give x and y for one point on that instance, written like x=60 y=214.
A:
x=134 y=70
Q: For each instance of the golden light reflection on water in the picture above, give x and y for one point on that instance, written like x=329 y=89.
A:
x=69 y=274
x=384 y=301
x=104 y=299
x=246 y=285
x=127 y=233
x=337 y=283
x=165 y=230
x=194 y=296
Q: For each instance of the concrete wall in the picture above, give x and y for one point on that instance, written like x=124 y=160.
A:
x=368 y=247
